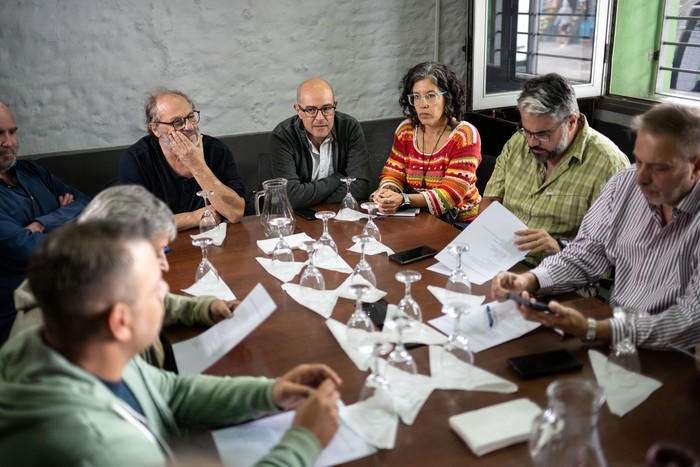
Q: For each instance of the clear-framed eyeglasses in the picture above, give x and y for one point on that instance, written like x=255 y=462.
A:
x=542 y=136
x=326 y=110
x=179 y=123
x=430 y=98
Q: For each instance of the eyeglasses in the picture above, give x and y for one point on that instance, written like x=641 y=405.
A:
x=542 y=136
x=430 y=98
x=179 y=123
x=311 y=112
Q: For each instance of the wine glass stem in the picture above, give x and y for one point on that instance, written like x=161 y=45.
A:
x=325 y=226
x=459 y=261
x=362 y=252
x=408 y=290
x=458 y=318
x=204 y=252
x=358 y=305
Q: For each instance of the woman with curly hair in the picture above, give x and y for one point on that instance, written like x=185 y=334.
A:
x=435 y=154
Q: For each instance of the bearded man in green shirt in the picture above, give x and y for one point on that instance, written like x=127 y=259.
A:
x=555 y=166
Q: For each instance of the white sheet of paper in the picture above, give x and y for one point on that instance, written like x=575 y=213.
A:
x=210 y=284
x=443 y=296
x=244 y=445
x=268 y=245
x=282 y=271
x=490 y=238
x=217 y=234
x=373 y=295
x=507 y=325
x=440 y=269
x=197 y=354
x=319 y=301
x=372 y=248
x=349 y=215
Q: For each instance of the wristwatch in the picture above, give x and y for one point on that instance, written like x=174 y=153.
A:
x=406 y=201
x=590 y=333
x=563 y=242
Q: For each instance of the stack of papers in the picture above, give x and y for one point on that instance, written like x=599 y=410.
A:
x=491 y=245
x=497 y=426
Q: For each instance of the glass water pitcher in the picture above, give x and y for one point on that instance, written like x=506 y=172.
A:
x=276 y=204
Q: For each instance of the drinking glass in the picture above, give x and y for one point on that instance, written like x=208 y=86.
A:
x=623 y=355
x=363 y=271
x=282 y=255
x=456 y=352
x=349 y=201
x=376 y=385
x=311 y=283
x=205 y=265
x=408 y=315
x=458 y=283
x=327 y=250
x=207 y=222
x=371 y=228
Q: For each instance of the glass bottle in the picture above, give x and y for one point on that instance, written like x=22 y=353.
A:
x=566 y=432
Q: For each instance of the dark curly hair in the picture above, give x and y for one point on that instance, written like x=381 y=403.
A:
x=445 y=79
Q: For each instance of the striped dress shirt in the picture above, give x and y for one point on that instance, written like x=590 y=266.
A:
x=657 y=266
x=449 y=174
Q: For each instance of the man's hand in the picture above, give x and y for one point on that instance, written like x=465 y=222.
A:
x=508 y=282
x=189 y=154
x=295 y=386
x=567 y=319
x=319 y=413
x=35 y=226
x=220 y=310
x=65 y=200
x=388 y=201
x=537 y=241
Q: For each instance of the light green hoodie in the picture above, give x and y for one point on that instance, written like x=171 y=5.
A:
x=55 y=413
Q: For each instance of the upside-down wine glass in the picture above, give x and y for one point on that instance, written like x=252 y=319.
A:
x=311 y=283
x=282 y=256
x=456 y=352
x=458 y=283
x=408 y=315
x=327 y=250
x=349 y=201
x=363 y=271
x=371 y=228
x=205 y=265
x=623 y=360
x=207 y=222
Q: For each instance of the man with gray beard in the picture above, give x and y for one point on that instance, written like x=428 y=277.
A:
x=551 y=171
x=175 y=161
x=32 y=203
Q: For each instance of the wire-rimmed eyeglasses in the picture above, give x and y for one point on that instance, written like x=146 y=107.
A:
x=542 y=136
x=430 y=98
x=179 y=123
x=311 y=112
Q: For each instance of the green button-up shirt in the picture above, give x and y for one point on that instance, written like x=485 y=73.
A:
x=559 y=203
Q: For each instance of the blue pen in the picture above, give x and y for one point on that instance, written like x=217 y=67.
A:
x=489 y=316
x=166 y=249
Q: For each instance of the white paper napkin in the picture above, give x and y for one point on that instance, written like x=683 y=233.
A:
x=217 y=234
x=409 y=391
x=467 y=378
x=495 y=427
x=287 y=274
x=331 y=261
x=442 y=294
x=211 y=284
x=322 y=302
x=421 y=334
x=374 y=420
x=268 y=245
x=349 y=215
x=339 y=331
x=621 y=396
x=372 y=248
x=371 y=296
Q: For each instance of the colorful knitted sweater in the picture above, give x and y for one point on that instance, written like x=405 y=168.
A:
x=446 y=179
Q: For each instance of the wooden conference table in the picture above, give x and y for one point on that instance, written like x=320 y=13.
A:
x=294 y=335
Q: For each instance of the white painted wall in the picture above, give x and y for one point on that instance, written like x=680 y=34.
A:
x=75 y=72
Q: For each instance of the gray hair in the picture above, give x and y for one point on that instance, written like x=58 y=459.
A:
x=550 y=95
x=682 y=122
x=151 y=108
x=132 y=203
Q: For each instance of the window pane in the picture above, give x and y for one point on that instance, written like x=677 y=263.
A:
x=679 y=59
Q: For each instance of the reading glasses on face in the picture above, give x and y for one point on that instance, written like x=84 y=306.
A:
x=542 y=135
x=430 y=98
x=179 y=123
x=311 y=112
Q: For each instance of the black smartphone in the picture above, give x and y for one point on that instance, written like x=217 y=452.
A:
x=413 y=255
x=525 y=302
x=306 y=213
x=376 y=312
x=544 y=363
